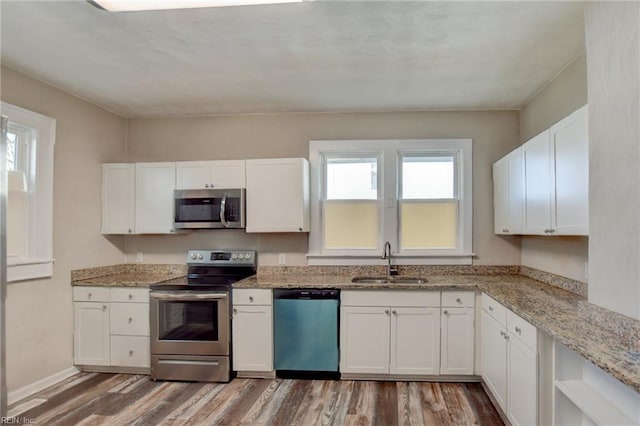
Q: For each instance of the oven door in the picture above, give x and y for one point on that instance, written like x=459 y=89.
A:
x=190 y=322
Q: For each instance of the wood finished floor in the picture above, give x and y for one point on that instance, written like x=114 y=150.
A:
x=121 y=399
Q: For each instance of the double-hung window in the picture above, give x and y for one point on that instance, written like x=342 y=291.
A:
x=30 y=139
x=415 y=194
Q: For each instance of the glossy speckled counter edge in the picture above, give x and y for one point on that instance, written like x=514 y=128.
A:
x=574 y=286
x=127 y=275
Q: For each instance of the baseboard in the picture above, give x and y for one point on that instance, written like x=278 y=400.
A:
x=30 y=389
x=411 y=378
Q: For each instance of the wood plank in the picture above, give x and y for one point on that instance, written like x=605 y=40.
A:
x=113 y=399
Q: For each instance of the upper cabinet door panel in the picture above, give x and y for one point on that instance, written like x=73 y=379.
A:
x=538 y=178
x=515 y=176
x=570 y=142
x=500 y=197
x=193 y=174
x=155 y=183
x=118 y=195
x=228 y=174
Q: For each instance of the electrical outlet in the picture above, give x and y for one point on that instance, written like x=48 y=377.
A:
x=282 y=259
x=139 y=257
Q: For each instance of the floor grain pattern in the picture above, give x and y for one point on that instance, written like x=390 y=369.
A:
x=124 y=399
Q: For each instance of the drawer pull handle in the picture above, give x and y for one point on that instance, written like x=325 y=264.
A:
x=250 y=298
x=518 y=330
x=89 y=296
x=502 y=333
x=446 y=312
x=386 y=311
x=104 y=307
x=235 y=310
x=130 y=296
x=491 y=308
x=459 y=300
x=130 y=352
x=130 y=320
x=394 y=312
x=506 y=337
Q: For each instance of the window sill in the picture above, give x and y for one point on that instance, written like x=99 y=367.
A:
x=340 y=260
x=29 y=269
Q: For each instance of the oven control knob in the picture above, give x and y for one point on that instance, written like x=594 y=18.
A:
x=193 y=256
x=241 y=256
x=199 y=256
x=247 y=256
x=234 y=256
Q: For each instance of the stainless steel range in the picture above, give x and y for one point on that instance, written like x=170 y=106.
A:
x=191 y=318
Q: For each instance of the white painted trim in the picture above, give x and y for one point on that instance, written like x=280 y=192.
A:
x=29 y=270
x=30 y=389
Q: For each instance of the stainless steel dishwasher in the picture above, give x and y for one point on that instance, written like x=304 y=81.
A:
x=306 y=332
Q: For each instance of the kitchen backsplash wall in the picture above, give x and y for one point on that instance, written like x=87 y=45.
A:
x=494 y=134
x=566 y=256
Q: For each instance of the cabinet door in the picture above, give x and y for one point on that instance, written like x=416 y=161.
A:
x=193 y=174
x=570 y=144
x=278 y=195
x=364 y=339
x=538 y=178
x=515 y=177
x=457 y=341
x=155 y=183
x=118 y=198
x=500 y=197
x=522 y=376
x=228 y=174
x=415 y=341
x=252 y=338
x=91 y=333
x=494 y=358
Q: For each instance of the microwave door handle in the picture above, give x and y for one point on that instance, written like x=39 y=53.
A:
x=223 y=213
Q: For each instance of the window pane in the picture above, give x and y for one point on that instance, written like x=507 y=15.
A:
x=428 y=225
x=11 y=150
x=352 y=179
x=351 y=225
x=428 y=178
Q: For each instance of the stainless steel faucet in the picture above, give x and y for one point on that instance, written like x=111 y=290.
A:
x=386 y=254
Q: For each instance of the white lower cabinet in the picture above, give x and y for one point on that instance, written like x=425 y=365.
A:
x=91 y=333
x=252 y=325
x=510 y=362
x=387 y=332
x=457 y=338
x=111 y=327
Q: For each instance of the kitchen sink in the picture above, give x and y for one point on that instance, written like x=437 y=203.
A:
x=389 y=280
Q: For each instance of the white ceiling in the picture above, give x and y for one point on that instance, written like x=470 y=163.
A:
x=314 y=56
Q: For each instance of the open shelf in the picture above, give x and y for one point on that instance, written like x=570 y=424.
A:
x=592 y=403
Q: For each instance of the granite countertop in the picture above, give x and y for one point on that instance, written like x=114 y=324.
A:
x=561 y=314
x=598 y=335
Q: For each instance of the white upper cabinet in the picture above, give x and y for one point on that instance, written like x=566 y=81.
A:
x=570 y=145
x=155 y=183
x=508 y=193
x=556 y=180
x=278 y=195
x=223 y=174
x=118 y=198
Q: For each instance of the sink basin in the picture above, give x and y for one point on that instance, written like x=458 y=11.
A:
x=370 y=280
x=389 y=280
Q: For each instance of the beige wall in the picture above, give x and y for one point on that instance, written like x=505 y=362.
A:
x=39 y=313
x=613 y=46
x=494 y=133
x=566 y=256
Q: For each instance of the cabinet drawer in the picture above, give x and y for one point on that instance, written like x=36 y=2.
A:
x=91 y=294
x=252 y=296
x=390 y=298
x=129 y=319
x=496 y=310
x=130 y=294
x=458 y=299
x=523 y=330
x=129 y=351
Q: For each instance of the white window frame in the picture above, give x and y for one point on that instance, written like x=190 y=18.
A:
x=39 y=260
x=390 y=154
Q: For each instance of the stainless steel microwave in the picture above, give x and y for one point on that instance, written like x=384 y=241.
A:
x=209 y=208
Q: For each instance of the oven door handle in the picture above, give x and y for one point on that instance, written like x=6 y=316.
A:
x=191 y=296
